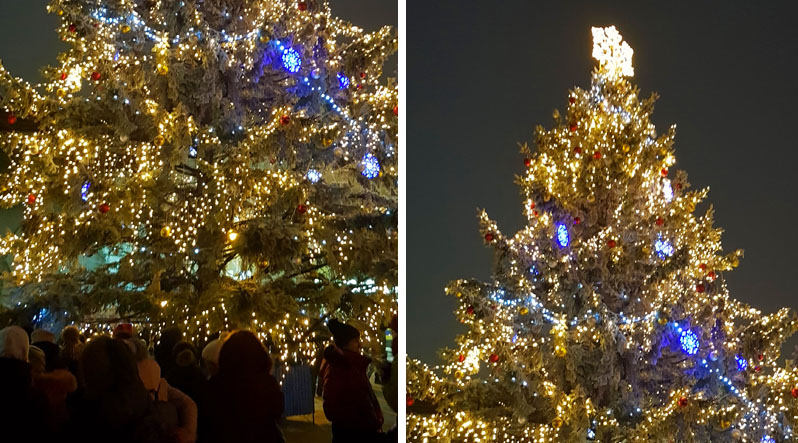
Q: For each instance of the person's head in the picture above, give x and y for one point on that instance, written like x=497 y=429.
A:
x=14 y=343
x=243 y=354
x=210 y=353
x=70 y=335
x=345 y=337
x=42 y=335
x=124 y=330
x=184 y=355
x=37 y=359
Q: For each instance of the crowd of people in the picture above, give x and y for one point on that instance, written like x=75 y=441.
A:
x=113 y=389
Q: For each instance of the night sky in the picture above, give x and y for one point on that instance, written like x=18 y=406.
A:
x=481 y=77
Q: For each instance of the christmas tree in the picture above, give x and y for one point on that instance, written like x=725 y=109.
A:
x=608 y=318
x=207 y=164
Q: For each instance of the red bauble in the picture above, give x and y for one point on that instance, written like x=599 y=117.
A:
x=678 y=186
x=396 y=110
x=577 y=220
x=703 y=266
x=531 y=205
x=711 y=275
x=664 y=172
x=794 y=392
x=302 y=6
x=611 y=244
x=301 y=208
x=488 y=237
x=284 y=120
x=12 y=119
x=63 y=76
x=683 y=402
x=72 y=28
x=757 y=368
x=573 y=128
x=597 y=155
x=494 y=358
x=362 y=75
x=359 y=86
x=578 y=150
x=410 y=401
x=699 y=288
x=31 y=198
x=535 y=212
x=760 y=357
x=571 y=100
x=527 y=162
x=470 y=310
x=461 y=358
x=660 y=221
x=95 y=76
x=105 y=207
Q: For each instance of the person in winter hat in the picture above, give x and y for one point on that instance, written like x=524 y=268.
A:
x=244 y=401
x=124 y=331
x=71 y=348
x=45 y=340
x=210 y=353
x=349 y=400
x=20 y=403
x=187 y=375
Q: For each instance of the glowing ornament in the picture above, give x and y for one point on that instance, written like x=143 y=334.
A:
x=613 y=54
x=700 y=288
x=166 y=231
x=646 y=250
x=664 y=249
x=711 y=275
x=410 y=401
x=557 y=422
x=714 y=355
x=31 y=199
x=527 y=162
x=562 y=235
x=571 y=100
x=284 y=120
x=96 y=76
x=488 y=237
x=724 y=424
x=493 y=358
x=573 y=128
x=524 y=310
x=73 y=28
x=458 y=374
x=664 y=172
x=470 y=310
x=338 y=152
x=660 y=221
x=577 y=220
x=461 y=358
x=578 y=150
x=326 y=142
x=794 y=392
x=343 y=80
x=303 y=6
x=597 y=155
x=591 y=198
x=689 y=342
x=371 y=166
x=682 y=402
x=104 y=208
x=363 y=75
x=760 y=357
x=301 y=208
x=125 y=29
x=232 y=235
x=60 y=92
x=702 y=266
x=162 y=69
x=159 y=141
x=313 y=176
x=291 y=60
x=736 y=433
x=61 y=12
x=625 y=147
x=560 y=351
x=12 y=119
x=611 y=243
x=662 y=319
x=63 y=76
x=396 y=110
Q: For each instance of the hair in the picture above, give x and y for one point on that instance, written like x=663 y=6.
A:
x=243 y=354
x=184 y=354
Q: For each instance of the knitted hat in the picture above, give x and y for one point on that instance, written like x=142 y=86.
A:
x=150 y=373
x=40 y=335
x=342 y=332
x=37 y=359
x=14 y=343
x=70 y=335
x=124 y=330
x=211 y=351
x=184 y=354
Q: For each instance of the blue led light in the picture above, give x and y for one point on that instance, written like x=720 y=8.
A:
x=689 y=342
x=192 y=151
x=562 y=235
x=291 y=60
x=742 y=363
x=591 y=434
x=768 y=439
x=371 y=166
x=664 y=248
x=343 y=81
x=313 y=176
x=84 y=191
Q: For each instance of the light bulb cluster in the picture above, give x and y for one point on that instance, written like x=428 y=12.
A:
x=608 y=318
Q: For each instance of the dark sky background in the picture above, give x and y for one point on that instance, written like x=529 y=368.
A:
x=483 y=74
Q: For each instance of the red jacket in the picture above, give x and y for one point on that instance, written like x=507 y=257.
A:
x=349 y=401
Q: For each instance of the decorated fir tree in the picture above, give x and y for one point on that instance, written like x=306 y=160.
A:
x=608 y=318
x=209 y=164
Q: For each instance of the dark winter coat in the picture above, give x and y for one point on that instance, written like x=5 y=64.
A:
x=349 y=400
x=21 y=406
x=243 y=402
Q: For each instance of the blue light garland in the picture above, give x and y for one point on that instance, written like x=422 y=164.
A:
x=291 y=60
x=689 y=342
x=663 y=248
x=371 y=166
x=84 y=191
x=343 y=80
x=313 y=176
x=562 y=235
x=742 y=363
